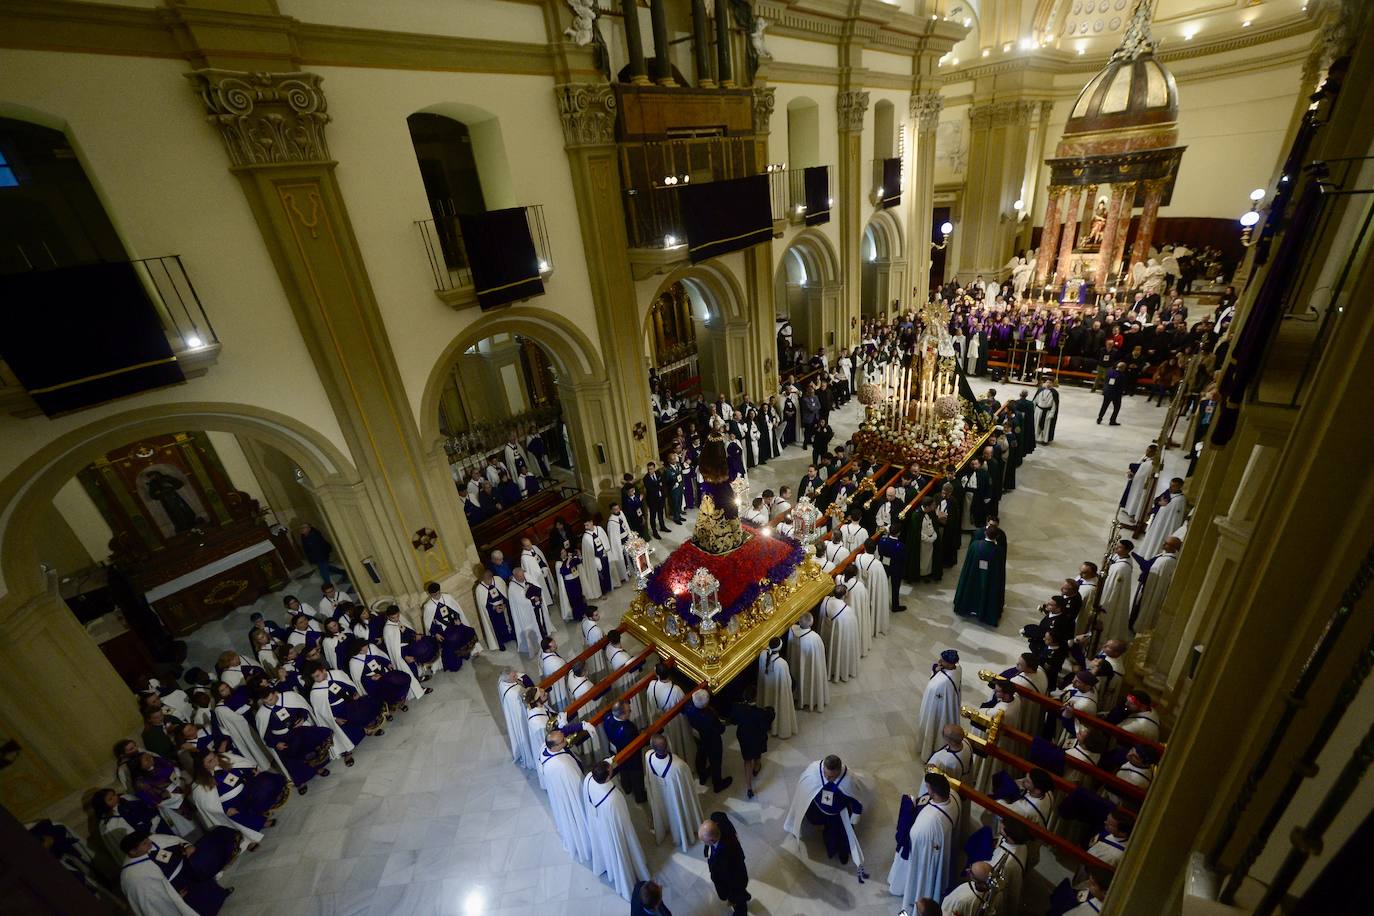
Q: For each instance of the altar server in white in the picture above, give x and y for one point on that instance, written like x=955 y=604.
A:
x=939 y=703
x=672 y=794
x=616 y=852
x=1151 y=593
x=596 y=564
x=1118 y=588
x=1170 y=508
x=852 y=534
x=511 y=690
x=662 y=695
x=921 y=867
x=841 y=623
x=874 y=576
x=775 y=689
x=562 y=778
x=527 y=613
x=807 y=658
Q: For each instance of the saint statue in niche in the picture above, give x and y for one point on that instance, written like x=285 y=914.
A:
x=163 y=490
x=1099 y=224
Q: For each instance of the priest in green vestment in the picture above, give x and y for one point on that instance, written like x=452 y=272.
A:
x=982 y=585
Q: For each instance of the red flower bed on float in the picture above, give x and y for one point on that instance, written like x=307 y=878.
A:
x=760 y=558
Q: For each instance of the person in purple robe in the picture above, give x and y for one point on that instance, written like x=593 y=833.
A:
x=288 y=729
x=570 y=571
x=734 y=455
x=456 y=639
x=372 y=670
x=250 y=797
x=358 y=714
x=416 y=650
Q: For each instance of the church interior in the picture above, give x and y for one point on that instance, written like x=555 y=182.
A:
x=475 y=391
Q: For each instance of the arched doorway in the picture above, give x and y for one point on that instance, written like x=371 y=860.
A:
x=704 y=302
x=806 y=295
x=882 y=275
x=50 y=657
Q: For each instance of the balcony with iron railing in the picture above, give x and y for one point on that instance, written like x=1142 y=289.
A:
x=449 y=262
x=796 y=195
x=184 y=320
x=887 y=182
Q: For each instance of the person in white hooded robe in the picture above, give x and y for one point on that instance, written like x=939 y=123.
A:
x=832 y=797
x=1137 y=498
x=775 y=689
x=939 y=703
x=672 y=794
x=806 y=656
x=527 y=612
x=591 y=635
x=875 y=580
x=561 y=774
x=974 y=895
x=1118 y=589
x=144 y=879
x=538 y=571
x=1170 y=508
x=617 y=658
x=550 y=661
x=618 y=533
x=510 y=688
x=662 y=695
x=857 y=597
x=616 y=852
x=842 y=642
x=1150 y=596
x=599 y=575
x=925 y=857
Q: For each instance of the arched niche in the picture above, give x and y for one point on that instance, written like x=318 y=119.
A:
x=882 y=273
x=806 y=292
x=803 y=133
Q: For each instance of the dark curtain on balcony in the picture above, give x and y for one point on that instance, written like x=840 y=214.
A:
x=77 y=336
x=892 y=183
x=725 y=216
x=505 y=267
x=816 y=180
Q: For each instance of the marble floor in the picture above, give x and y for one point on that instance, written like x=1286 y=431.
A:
x=435 y=819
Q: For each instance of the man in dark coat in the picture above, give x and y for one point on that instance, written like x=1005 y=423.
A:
x=710 y=749
x=981 y=592
x=620 y=732
x=656 y=496
x=647 y=900
x=1111 y=394
x=752 y=724
x=725 y=860
x=318 y=551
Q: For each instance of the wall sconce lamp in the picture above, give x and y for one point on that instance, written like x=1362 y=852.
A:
x=1250 y=218
x=946 y=230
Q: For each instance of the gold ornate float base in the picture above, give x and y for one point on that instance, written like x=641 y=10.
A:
x=718 y=655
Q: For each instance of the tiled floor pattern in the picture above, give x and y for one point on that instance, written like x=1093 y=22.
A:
x=435 y=819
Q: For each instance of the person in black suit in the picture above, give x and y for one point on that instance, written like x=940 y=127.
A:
x=656 y=497
x=725 y=860
x=647 y=900
x=752 y=724
x=620 y=732
x=710 y=748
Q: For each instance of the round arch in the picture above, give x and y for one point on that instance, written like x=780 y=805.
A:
x=714 y=282
x=719 y=306
x=571 y=350
x=31 y=486
x=886 y=233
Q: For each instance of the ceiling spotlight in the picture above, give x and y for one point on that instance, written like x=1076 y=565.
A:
x=831 y=202
x=669 y=241
x=543 y=266
x=986 y=52
x=1027 y=44
x=954 y=62
x=801 y=208
x=1006 y=47
x=1019 y=204
x=194 y=342
x=1082 y=51
x=1257 y=195
x=1247 y=23
x=967 y=22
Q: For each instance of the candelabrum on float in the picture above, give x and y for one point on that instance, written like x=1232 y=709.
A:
x=804 y=518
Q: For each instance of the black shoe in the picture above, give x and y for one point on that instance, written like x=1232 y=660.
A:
x=899 y=609
x=703 y=779
x=1112 y=423
x=723 y=784
x=1099 y=421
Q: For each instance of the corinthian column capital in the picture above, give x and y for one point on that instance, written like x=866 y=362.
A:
x=851 y=105
x=925 y=108
x=265 y=118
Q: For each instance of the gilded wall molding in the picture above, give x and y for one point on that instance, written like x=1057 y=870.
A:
x=925 y=108
x=588 y=112
x=851 y=105
x=265 y=118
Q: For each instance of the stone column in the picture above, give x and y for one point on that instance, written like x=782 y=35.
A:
x=663 y=74
x=273 y=128
x=1049 y=239
x=1105 y=266
x=852 y=105
x=701 y=44
x=925 y=113
x=1061 y=270
x=1154 y=193
x=999 y=136
x=1123 y=226
x=588 y=114
x=634 y=43
x=724 y=76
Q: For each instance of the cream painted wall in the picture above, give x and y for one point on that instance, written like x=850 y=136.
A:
x=381 y=184
x=829 y=146
x=57 y=545
x=79 y=511
x=236 y=464
x=801 y=51
x=886 y=62
x=500 y=20
x=141 y=133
